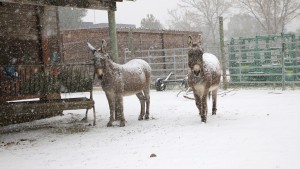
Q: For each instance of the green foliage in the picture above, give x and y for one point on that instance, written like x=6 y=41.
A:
x=40 y=83
x=150 y=22
x=74 y=81
x=65 y=82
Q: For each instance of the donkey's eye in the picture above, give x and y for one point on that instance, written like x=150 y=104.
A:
x=102 y=60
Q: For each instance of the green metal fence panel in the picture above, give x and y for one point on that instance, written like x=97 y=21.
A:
x=264 y=59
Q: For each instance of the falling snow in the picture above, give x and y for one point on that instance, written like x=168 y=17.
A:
x=252 y=129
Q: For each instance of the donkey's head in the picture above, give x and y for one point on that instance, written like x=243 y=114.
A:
x=195 y=59
x=100 y=58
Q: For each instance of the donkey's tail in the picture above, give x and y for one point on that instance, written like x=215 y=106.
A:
x=209 y=94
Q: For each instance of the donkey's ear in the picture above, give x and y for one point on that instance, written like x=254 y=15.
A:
x=190 y=41
x=91 y=47
x=103 y=46
x=199 y=40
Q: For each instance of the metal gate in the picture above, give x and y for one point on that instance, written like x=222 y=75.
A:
x=273 y=59
x=163 y=62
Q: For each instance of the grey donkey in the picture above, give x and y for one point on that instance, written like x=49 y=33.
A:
x=133 y=77
x=204 y=77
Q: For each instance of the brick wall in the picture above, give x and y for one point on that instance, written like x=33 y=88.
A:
x=75 y=43
x=76 y=50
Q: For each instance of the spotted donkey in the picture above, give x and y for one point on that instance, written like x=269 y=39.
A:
x=204 y=77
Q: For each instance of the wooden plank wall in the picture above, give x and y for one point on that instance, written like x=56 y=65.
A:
x=20 y=38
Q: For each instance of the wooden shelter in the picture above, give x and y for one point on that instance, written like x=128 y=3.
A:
x=30 y=64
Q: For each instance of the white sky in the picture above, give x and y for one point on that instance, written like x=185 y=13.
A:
x=133 y=12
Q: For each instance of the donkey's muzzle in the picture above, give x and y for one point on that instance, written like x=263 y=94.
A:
x=99 y=73
x=100 y=77
x=196 y=70
x=196 y=73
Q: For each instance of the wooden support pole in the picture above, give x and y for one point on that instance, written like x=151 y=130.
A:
x=223 y=59
x=38 y=13
x=113 y=35
x=114 y=45
x=283 y=66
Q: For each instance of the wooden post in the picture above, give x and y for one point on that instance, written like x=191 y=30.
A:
x=113 y=42
x=282 y=65
x=223 y=59
x=163 y=47
x=113 y=35
x=59 y=38
x=38 y=14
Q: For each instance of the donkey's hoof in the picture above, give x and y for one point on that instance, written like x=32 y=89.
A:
x=122 y=123
x=203 y=119
x=140 y=118
x=146 y=117
x=214 y=111
x=84 y=119
x=109 y=124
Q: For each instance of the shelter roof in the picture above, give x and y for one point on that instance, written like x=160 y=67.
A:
x=87 y=4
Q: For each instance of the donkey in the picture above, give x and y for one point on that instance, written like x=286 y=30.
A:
x=204 y=77
x=117 y=81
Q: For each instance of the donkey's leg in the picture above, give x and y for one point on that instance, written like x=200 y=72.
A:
x=111 y=101
x=214 y=100
x=147 y=97
x=198 y=104
x=204 y=107
x=141 y=97
x=119 y=108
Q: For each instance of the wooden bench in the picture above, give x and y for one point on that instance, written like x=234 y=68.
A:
x=44 y=89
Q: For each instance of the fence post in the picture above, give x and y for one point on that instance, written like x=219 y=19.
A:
x=221 y=31
x=113 y=35
x=283 y=66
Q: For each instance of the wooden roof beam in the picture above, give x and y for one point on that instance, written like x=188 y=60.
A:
x=87 y=4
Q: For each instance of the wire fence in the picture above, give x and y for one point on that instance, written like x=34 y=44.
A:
x=273 y=65
x=246 y=64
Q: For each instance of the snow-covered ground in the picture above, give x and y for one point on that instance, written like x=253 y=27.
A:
x=253 y=129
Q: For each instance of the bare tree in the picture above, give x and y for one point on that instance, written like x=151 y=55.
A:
x=183 y=20
x=243 y=25
x=207 y=12
x=273 y=15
